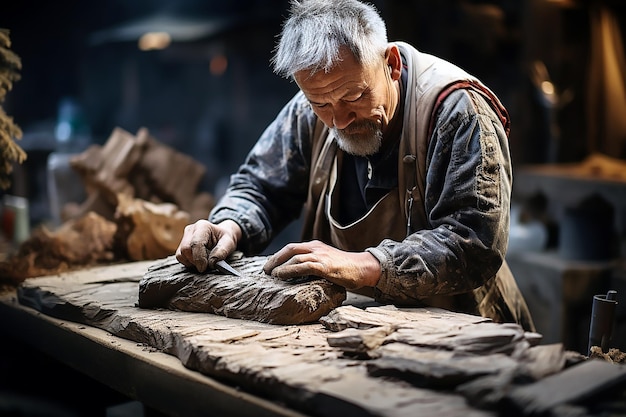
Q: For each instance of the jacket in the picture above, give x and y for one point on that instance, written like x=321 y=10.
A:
x=455 y=170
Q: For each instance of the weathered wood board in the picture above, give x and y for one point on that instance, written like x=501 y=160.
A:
x=378 y=361
x=253 y=296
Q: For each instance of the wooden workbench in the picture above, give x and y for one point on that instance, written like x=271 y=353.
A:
x=432 y=362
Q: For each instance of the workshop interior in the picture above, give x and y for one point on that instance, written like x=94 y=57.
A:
x=194 y=78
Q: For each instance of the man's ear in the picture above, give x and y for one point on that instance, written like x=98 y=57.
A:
x=394 y=61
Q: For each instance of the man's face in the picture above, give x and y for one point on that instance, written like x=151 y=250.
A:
x=356 y=102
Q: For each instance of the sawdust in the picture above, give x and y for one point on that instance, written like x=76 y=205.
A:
x=85 y=241
x=613 y=355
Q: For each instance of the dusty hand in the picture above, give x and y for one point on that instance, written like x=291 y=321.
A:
x=204 y=243
x=351 y=270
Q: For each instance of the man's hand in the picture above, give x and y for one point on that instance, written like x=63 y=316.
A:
x=352 y=270
x=205 y=243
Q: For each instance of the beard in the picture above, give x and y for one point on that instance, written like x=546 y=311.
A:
x=360 y=138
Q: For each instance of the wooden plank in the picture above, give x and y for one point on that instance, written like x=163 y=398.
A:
x=291 y=364
x=575 y=385
x=136 y=370
x=253 y=296
x=418 y=361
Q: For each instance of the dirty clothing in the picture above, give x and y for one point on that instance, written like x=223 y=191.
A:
x=440 y=234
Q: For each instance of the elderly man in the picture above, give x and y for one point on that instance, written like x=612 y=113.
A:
x=399 y=159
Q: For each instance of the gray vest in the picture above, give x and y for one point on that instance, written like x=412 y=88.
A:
x=431 y=80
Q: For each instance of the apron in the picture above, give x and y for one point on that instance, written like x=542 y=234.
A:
x=382 y=220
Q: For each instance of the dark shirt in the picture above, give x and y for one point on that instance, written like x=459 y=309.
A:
x=362 y=189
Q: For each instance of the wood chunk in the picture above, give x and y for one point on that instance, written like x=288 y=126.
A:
x=428 y=318
x=433 y=327
x=83 y=241
x=255 y=296
x=436 y=370
x=147 y=230
x=139 y=166
x=540 y=361
x=355 y=341
x=574 y=385
x=483 y=338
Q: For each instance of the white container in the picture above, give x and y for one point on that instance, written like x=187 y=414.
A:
x=15 y=218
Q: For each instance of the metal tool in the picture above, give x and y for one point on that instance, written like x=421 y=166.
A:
x=225 y=268
x=602 y=320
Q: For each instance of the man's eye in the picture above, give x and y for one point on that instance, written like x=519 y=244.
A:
x=353 y=99
x=318 y=105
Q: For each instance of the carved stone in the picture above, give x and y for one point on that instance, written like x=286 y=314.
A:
x=255 y=296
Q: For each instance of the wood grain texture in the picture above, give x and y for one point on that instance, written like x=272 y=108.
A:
x=254 y=296
x=409 y=362
x=291 y=364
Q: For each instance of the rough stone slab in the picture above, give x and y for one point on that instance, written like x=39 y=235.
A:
x=254 y=296
x=291 y=364
x=577 y=384
x=436 y=369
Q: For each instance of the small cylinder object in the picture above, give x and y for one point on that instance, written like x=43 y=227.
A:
x=602 y=320
x=15 y=218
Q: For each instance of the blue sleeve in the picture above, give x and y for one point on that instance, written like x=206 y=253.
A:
x=467 y=201
x=270 y=187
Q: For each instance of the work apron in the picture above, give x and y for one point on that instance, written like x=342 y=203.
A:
x=381 y=221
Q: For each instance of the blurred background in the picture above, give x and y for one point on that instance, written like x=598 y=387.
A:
x=196 y=74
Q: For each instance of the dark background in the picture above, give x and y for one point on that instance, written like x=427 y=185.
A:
x=71 y=50
x=85 y=53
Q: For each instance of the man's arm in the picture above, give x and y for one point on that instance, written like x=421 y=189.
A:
x=468 y=187
x=270 y=187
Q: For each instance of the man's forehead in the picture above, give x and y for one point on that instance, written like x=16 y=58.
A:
x=346 y=71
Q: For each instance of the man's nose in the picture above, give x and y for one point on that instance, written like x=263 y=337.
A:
x=342 y=117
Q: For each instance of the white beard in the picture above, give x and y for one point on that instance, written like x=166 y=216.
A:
x=359 y=144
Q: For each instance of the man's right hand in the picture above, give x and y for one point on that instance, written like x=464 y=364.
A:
x=204 y=243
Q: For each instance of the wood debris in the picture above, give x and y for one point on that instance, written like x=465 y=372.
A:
x=140 y=167
x=140 y=196
x=310 y=368
x=613 y=355
x=78 y=242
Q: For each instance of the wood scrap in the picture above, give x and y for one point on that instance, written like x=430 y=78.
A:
x=254 y=296
x=296 y=365
x=139 y=166
x=436 y=370
x=613 y=355
x=147 y=230
x=429 y=327
x=360 y=342
x=482 y=338
x=78 y=242
x=430 y=318
x=574 y=385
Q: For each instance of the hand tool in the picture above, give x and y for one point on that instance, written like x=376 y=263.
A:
x=225 y=268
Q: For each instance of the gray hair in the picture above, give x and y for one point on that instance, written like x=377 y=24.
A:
x=316 y=29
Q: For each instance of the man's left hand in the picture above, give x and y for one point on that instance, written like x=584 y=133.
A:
x=352 y=270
